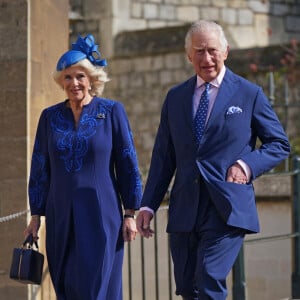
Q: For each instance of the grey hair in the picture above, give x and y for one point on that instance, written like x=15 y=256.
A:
x=205 y=26
x=96 y=74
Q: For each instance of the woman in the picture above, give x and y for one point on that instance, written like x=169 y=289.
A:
x=84 y=174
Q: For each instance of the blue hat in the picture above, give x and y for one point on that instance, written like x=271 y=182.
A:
x=83 y=48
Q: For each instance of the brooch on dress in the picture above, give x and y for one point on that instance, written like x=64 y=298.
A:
x=100 y=116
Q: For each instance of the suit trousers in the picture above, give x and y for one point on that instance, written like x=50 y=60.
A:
x=204 y=257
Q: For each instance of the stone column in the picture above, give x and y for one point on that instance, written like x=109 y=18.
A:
x=32 y=36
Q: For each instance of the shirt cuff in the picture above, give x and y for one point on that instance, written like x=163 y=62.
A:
x=245 y=168
x=147 y=209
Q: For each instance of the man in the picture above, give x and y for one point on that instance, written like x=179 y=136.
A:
x=212 y=202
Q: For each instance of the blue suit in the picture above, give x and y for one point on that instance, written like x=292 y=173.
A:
x=241 y=114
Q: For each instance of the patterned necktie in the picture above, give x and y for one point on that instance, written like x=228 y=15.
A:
x=201 y=114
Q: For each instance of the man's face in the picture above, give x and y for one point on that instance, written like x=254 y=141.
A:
x=206 y=54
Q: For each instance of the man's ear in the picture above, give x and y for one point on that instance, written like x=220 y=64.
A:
x=226 y=53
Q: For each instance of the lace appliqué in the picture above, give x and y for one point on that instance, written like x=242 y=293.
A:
x=39 y=178
x=129 y=154
x=74 y=144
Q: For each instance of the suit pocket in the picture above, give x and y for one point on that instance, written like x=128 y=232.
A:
x=236 y=203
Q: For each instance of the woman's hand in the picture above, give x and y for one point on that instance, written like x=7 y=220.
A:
x=129 y=225
x=33 y=227
x=129 y=229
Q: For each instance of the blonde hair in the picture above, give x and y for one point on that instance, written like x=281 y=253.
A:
x=205 y=26
x=97 y=75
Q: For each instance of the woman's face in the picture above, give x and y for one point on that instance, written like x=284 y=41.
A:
x=76 y=83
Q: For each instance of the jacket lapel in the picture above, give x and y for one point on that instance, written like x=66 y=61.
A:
x=227 y=90
x=188 y=101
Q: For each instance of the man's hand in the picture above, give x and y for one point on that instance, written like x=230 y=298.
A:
x=143 y=223
x=236 y=174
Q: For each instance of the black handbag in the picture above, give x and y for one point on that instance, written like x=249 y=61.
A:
x=27 y=263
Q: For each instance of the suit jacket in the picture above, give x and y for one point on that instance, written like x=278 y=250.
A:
x=241 y=114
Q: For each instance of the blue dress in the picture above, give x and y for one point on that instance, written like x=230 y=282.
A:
x=80 y=179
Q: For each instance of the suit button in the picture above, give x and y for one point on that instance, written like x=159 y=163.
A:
x=196 y=180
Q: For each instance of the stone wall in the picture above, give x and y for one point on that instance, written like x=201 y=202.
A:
x=250 y=23
x=144 y=43
x=30 y=44
x=141 y=84
x=13 y=141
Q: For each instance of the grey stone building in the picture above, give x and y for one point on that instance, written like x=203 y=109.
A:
x=143 y=41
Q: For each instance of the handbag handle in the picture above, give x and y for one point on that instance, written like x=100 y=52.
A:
x=30 y=242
